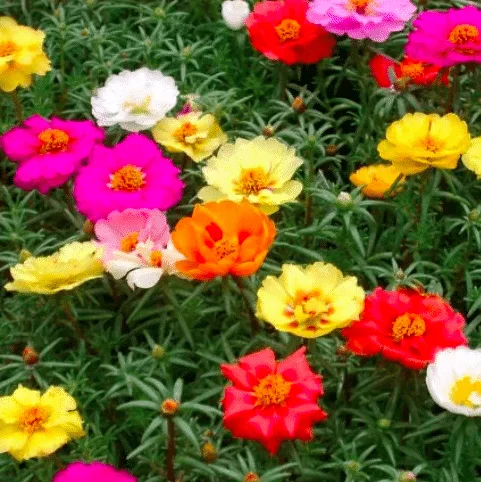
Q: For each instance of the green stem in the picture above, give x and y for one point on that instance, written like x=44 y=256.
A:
x=254 y=322
x=454 y=91
x=17 y=104
x=169 y=463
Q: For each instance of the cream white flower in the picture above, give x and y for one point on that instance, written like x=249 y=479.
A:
x=454 y=380
x=136 y=100
x=144 y=266
x=234 y=13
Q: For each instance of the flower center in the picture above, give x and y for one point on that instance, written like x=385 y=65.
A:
x=187 y=129
x=413 y=70
x=252 y=181
x=156 y=259
x=127 y=178
x=409 y=324
x=129 y=242
x=7 y=48
x=33 y=418
x=272 y=390
x=53 y=140
x=225 y=247
x=463 y=34
x=288 y=29
x=360 y=6
x=139 y=109
x=467 y=392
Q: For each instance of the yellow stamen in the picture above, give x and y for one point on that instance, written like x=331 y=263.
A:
x=129 y=242
x=187 y=129
x=272 y=390
x=53 y=140
x=33 y=418
x=360 y=6
x=288 y=29
x=409 y=324
x=252 y=181
x=463 y=389
x=225 y=247
x=156 y=259
x=127 y=178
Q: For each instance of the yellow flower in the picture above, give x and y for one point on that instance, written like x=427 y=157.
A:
x=377 y=180
x=419 y=141
x=21 y=55
x=310 y=301
x=472 y=158
x=195 y=134
x=259 y=170
x=34 y=425
x=69 y=267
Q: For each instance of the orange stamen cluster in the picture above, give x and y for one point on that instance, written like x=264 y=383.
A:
x=463 y=34
x=288 y=29
x=272 y=390
x=187 y=129
x=127 y=178
x=129 y=242
x=156 y=259
x=252 y=181
x=33 y=418
x=360 y=6
x=409 y=324
x=413 y=70
x=7 y=48
x=53 y=140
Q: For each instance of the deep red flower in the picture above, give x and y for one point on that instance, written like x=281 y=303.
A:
x=272 y=401
x=406 y=326
x=407 y=71
x=280 y=31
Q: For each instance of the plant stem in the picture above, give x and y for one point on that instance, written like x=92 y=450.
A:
x=18 y=106
x=254 y=322
x=454 y=91
x=169 y=464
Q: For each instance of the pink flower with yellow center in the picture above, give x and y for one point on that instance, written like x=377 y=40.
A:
x=447 y=38
x=133 y=174
x=49 y=152
x=360 y=19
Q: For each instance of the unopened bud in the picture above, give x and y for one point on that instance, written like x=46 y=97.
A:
x=474 y=215
x=209 y=452
x=407 y=477
x=84 y=32
x=251 y=477
x=298 y=105
x=331 y=149
x=88 y=227
x=24 y=255
x=353 y=466
x=30 y=356
x=384 y=423
x=169 y=407
x=342 y=351
x=235 y=13
x=159 y=12
x=208 y=433
x=399 y=275
x=344 y=199
x=268 y=131
x=158 y=351
x=186 y=51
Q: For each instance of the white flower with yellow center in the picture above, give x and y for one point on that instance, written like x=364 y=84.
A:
x=259 y=170
x=145 y=265
x=136 y=100
x=454 y=380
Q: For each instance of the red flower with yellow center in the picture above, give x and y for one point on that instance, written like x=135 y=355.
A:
x=280 y=31
x=272 y=401
x=406 y=326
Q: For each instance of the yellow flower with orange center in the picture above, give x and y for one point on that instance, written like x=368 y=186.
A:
x=376 y=180
x=311 y=301
x=35 y=425
x=195 y=134
x=21 y=54
x=420 y=141
x=259 y=170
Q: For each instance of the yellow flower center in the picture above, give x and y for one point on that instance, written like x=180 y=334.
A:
x=288 y=29
x=139 y=109
x=127 y=178
x=33 y=418
x=129 y=242
x=360 y=6
x=463 y=34
x=272 y=390
x=225 y=247
x=7 y=48
x=187 y=129
x=463 y=390
x=252 y=181
x=412 y=70
x=156 y=259
x=409 y=324
x=53 y=140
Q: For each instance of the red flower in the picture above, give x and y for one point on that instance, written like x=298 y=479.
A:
x=406 y=326
x=280 y=31
x=406 y=72
x=271 y=402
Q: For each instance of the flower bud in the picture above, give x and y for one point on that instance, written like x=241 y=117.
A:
x=268 y=131
x=407 y=477
x=384 y=423
x=169 y=407
x=88 y=227
x=344 y=199
x=331 y=149
x=234 y=13
x=473 y=215
x=209 y=452
x=399 y=275
x=159 y=12
x=30 y=356
x=353 y=465
x=158 y=351
x=298 y=105
x=24 y=255
x=251 y=477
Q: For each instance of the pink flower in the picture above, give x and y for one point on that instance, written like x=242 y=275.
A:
x=94 y=472
x=360 y=19
x=132 y=174
x=49 y=152
x=447 y=38
x=122 y=231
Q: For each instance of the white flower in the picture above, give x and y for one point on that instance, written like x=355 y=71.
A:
x=136 y=100
x=235 y=13
x=145 y=265
x=454 y=380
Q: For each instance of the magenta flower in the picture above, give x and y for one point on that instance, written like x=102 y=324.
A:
x=94 y=472
x=49 y=152
x=447 y=38
x=133 y=174
x=122 y=231
x=360 y=19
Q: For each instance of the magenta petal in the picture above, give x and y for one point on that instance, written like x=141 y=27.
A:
x=19 y=144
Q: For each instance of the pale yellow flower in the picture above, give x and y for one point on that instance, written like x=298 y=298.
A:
x=311 y=301
x=35 y=425
x=21 y=55
x=419 y=141
x=72 y=265
x=195 y=134
x=259 y=170
x=472 y=158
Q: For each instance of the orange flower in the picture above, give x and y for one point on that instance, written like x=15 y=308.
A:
x=223 y=238
x=377 y=179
